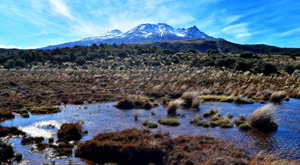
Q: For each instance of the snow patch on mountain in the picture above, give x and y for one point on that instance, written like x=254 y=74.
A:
x=140 y=33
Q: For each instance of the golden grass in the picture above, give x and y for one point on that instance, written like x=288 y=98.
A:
x=277 y=96
x=263 y=119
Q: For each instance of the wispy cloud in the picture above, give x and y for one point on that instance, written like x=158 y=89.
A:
x=59 y=7
x=290 y=32
x=238 y=30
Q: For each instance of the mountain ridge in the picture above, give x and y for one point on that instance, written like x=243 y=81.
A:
x=140 y=33
x=222 y=46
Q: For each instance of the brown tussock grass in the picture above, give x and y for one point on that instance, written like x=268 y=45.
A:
x=263 y=119
x=277 y=96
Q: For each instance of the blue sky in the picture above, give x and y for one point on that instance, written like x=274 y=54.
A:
x=39 y=23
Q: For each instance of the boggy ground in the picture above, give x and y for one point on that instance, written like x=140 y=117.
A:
x=25 y=90
x=134 y=146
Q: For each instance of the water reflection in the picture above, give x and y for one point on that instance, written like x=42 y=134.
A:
x=105 y=118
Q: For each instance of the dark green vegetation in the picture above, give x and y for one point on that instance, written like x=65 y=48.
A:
x=129 y=56
x=2 y=50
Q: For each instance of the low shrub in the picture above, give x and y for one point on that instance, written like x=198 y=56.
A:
x=125 y=104
x=127 y=147
x=70 y=131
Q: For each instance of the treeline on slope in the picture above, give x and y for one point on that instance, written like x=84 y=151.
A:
x=3 y=50
x=126 y=56
x=77 y=54
x=201 y=45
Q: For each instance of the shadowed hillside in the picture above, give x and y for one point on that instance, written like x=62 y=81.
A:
x=201 y=45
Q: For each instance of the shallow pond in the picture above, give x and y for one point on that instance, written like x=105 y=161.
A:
x=104 y=117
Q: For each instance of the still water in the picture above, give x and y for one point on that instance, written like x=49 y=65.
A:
x=103 y=117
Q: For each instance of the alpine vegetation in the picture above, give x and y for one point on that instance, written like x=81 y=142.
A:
x=263 y=119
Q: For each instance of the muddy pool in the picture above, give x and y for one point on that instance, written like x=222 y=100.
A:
x=103 y=117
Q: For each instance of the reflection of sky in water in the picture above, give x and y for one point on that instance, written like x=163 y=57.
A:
x=41 y=129
x=105 y=118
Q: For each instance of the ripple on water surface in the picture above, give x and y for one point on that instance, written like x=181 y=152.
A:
x=99 y=118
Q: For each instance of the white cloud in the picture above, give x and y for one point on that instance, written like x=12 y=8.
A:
x=60 y=8
x=238 y=30
x=32 y=47
x=10 y=47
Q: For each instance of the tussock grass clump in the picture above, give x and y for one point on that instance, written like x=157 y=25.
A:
x=241 y=120
x=214 y=123
x=225 y=123
x=125 y=104
x=170 y=122
x=70 y=131
x=172 y=107
x=263 y=119
x=196 y=119
x=211 y=112
x=142 y=105
x=195 y=104
x=188 y=98
x=215 y=117
x=149 y=125
x=277 y=96
x=202 y=123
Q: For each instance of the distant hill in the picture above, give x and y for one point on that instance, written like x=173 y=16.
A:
x=201 y=45
x=3 y=50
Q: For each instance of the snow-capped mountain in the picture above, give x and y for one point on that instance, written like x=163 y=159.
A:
x=143 y=32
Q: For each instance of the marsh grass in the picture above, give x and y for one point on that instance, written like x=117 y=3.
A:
x=190 y=98
x=169 y=122
x=172 y=107
x=263 y=119
x=278 y=96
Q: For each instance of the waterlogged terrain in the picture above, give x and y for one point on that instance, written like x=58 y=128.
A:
x=103 y=117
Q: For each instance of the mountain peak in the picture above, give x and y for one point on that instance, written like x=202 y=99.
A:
x=140 y=33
